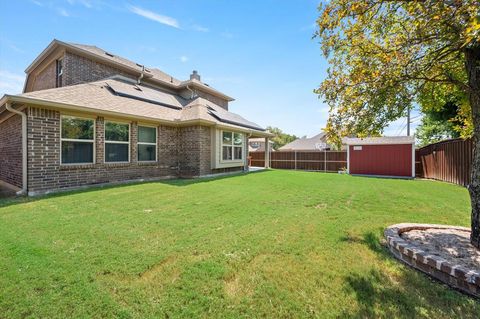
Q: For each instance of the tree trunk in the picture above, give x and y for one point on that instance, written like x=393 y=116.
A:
x=472 y=64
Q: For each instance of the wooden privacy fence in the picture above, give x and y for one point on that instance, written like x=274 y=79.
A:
x=326 y=161
x=448 y=161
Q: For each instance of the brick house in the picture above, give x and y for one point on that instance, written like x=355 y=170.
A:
x=87 y=117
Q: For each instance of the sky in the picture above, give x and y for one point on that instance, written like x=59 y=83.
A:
x=259 y=52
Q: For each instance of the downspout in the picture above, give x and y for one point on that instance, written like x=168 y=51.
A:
x=139 y=80
x=193 y=92
x=24 y=148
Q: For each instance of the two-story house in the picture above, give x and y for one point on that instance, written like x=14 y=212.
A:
x=88 y=116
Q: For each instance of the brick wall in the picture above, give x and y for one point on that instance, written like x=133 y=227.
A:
x=182 y=152
x=194 y=151
x=46 y=173
x=46 y=79
x=78 y=70
x=219 y=101
x=11 y=151
x=207 y=96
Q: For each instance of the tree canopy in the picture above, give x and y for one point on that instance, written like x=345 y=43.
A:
x=438 y=125
x=386 y=54
x=280 y=138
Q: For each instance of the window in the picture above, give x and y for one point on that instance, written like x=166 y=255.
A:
x=232 y=146
x=59 y=73
x=77 y=139
x=117 y=142
x=147 y=144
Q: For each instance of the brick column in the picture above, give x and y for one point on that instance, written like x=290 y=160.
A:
x=43 y=132
x=133 y=142
x=99 y=140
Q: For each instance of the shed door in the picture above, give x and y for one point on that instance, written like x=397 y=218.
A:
x=387 y=160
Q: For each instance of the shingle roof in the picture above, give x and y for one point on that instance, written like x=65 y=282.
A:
x=384 y=140
x=156 y=73
x=304 y=144
x=140 y=101
x=153 y=74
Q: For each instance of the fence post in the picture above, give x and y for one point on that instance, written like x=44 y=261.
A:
x=325 y=161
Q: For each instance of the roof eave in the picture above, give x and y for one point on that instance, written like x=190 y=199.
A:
x=70 y=107
x=206 y=88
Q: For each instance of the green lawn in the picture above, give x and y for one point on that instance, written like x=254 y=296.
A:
x=280 y=244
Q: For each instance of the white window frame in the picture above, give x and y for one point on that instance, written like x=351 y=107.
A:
x=105 y=141
x=232 y=146
x=77 y=140
x=145 y=143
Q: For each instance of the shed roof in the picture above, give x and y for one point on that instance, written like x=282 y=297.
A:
x=383 y=140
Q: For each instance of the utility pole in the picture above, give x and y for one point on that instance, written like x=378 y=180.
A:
x=408 y=120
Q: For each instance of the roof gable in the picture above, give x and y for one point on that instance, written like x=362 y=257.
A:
x=153 y=74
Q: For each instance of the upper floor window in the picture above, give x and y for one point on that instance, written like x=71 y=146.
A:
x=59 y=73
x=232 y=146
x=147 y=144
x=77 y=139
x=117 y=142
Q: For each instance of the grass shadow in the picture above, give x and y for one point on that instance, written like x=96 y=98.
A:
x=179 y=182
x=391 y=292
x=373 y=240
x=377 y=297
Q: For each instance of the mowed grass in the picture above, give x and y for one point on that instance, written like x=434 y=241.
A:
x=278 y=244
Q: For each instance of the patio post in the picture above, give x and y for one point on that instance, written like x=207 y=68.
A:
x=267 y=153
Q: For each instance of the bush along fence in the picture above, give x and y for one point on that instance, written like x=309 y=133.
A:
x=325 y=161
x=448 y=161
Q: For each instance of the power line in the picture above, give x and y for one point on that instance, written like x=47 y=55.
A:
x=404 y=127
x=398 y=131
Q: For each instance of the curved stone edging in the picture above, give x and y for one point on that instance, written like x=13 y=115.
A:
x=456 y=276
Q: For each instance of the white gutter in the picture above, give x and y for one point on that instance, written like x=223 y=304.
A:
x=193 y=93
x=24 y=147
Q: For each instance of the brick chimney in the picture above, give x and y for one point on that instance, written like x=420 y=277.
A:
x=195 y=75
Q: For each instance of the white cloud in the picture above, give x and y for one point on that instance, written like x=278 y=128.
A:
x=154 y=16
x=38 y=3
x=63 y=12
x=11 y=83
x=200 y=28
x=85 y=3
x=11 y=46
x=226 y=34
x=184 y=58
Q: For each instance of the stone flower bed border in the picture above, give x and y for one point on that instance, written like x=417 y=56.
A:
x=456 y=276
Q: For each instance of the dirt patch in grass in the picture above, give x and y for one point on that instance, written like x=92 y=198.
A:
x=158 y=271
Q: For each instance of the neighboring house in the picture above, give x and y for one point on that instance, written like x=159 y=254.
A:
x=87 y=116
x=258 y=145
x=315 y=143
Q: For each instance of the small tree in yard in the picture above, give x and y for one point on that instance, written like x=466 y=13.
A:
x=385 y=54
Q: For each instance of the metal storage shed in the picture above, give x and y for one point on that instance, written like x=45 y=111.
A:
x=381 y=156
